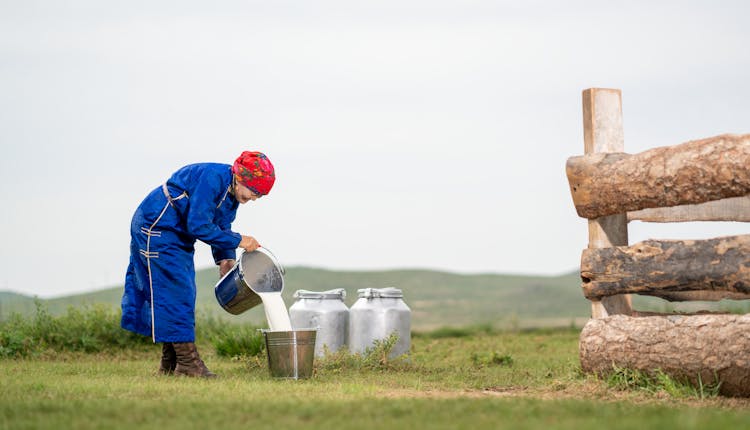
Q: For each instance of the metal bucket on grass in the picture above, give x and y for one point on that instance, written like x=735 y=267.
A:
x=255 y=272
x=290 y=353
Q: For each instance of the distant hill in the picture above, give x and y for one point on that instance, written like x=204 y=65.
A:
x=13 y=302
x=435 y=298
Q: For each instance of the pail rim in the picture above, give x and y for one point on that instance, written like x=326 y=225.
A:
x=270 y=256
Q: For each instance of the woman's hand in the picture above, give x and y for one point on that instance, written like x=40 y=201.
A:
x=225 y=266
x=249 y=244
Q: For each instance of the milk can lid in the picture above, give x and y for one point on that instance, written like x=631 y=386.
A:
x=380 y=292
x=335 y=294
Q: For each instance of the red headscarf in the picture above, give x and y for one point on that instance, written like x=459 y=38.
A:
x=255 y=171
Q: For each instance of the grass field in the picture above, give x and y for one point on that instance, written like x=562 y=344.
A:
x=73 y=367
x=453 y=379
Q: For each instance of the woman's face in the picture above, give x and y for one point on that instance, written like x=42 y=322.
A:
x=243 y=194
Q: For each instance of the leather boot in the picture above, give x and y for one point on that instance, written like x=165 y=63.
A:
x=189 y=362
x=168 y=359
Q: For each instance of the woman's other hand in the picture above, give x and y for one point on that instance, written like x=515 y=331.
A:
x=225 y=266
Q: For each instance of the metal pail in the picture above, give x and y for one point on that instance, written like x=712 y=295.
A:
x=255 y=272
x=290 y=353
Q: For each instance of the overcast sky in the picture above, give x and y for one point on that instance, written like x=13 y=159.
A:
x=406 y=134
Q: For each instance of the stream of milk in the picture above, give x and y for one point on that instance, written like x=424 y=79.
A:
x=276 y=312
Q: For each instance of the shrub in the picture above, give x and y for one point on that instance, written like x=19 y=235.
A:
x=229 y=339
x=377 y=357
x=239 y=341
x=15 y=338
x=91 y=328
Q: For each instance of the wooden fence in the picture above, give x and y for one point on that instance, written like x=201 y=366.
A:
x=701 y=180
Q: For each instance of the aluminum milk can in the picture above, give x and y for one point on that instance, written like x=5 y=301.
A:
x=324 y=310
x=375 y=315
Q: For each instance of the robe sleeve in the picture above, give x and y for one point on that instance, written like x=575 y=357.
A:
x=225 y=253
x=201 y=212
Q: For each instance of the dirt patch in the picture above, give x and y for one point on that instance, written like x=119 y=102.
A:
x=446 y=394
x=584 y=393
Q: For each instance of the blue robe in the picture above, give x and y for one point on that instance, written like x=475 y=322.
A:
x=159 y=297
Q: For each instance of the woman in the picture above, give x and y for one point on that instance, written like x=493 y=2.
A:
x=199 y=202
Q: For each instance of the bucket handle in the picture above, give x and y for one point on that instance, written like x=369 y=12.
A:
x=273 y=258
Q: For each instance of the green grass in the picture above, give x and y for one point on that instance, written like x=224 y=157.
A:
x=478 y=379
x=75 y=368
x=658 y=381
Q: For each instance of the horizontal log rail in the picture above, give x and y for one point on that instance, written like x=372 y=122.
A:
x=656 y=268
x=697 y=296
x=691 y=173
x=731 y=209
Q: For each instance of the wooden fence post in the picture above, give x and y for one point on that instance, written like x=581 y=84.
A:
x=603 y=132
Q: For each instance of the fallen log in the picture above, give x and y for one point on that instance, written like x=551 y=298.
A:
x=694 y=172
x=714 y=348
x=654 y=267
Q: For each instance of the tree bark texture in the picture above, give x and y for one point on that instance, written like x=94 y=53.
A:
x=682 y=346
x=694 y=172
x=654 y=267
